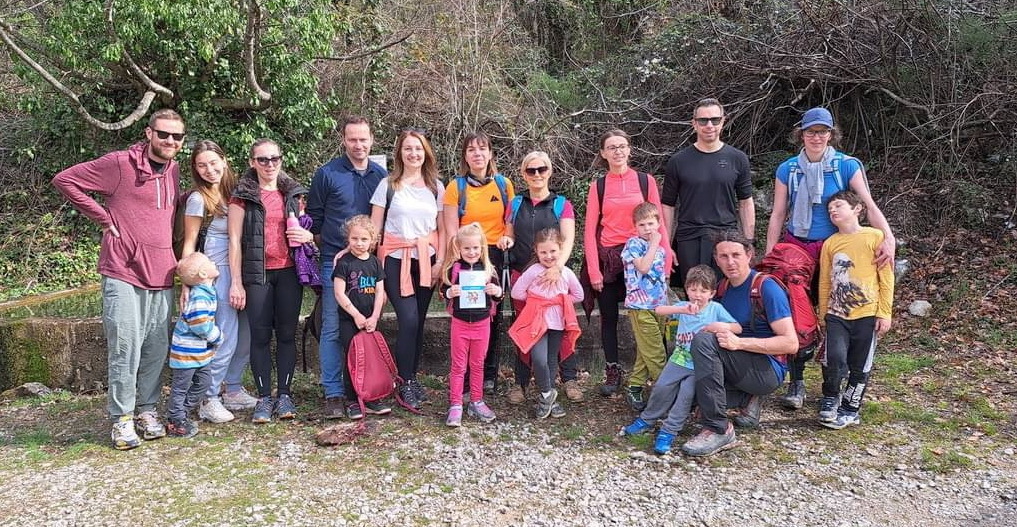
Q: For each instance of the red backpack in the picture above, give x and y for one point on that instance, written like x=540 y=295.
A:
x=373 y=375
x=792 y=268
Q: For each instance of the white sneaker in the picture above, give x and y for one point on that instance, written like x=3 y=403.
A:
x=149 y=425
x=123 y=434
x=213 y=411
x=239 y=400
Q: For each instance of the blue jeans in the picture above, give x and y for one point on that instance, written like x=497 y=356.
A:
x=330 y=350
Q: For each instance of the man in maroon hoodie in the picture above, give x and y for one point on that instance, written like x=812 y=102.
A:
x=138 y=189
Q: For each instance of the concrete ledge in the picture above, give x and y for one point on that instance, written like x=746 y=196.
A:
x=71 y=354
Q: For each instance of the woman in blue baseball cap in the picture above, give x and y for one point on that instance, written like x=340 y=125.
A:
x=804 y=184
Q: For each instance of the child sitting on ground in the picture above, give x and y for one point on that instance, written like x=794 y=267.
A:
x=195 y=337
x=645 y=289
x=674 y=392
x=855 y=305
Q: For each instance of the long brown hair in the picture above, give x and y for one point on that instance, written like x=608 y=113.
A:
x=215 y=202
x=430 y=169
x=481 y=139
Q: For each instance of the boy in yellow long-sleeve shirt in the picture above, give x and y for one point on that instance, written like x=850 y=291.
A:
x=855 y=305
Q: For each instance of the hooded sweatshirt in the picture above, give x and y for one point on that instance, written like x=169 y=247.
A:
x=139 y=202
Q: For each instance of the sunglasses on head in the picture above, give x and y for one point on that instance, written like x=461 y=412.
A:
x=533 y=171
x=266 y=161
x=715 y=121
x=161 y=134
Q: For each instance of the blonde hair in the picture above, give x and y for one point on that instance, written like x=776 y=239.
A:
x=534 y=156
x=454 y=253
x=189 y=268
x=361 y=221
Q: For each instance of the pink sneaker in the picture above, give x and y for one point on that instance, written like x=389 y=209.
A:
x=455 y=416
x=481 y=411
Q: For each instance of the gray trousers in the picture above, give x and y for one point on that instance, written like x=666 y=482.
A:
x=544 y=356
x=234 y=354
x=186 y=391
x=727 y=379
x=136 y=323
x=672 y=396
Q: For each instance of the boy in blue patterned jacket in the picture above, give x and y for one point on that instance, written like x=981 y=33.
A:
x=195 y=338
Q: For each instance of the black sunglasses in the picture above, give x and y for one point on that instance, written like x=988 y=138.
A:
x=715 y=121
x=266 y=161
x=533 y=171
x=166 y=135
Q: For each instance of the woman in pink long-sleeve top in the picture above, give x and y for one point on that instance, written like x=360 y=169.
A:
x=608 y=226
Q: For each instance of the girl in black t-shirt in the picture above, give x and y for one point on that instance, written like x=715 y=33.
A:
x=359 y=291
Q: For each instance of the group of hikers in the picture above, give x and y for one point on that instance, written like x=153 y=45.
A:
x=367 y=236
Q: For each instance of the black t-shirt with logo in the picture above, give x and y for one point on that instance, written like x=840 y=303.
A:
x=362 y=277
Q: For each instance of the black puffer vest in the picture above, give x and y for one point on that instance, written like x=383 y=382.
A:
x=252 y=241
x=530 y=220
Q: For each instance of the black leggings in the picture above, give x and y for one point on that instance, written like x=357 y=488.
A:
x=274 y=307
x=410 y=314
x=493 y=358
x=608 y=299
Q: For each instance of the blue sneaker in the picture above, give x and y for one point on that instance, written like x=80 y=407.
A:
x=844 y=419
x=662 y=445
x=828 y=409
x=637 y=427
x=263 y=410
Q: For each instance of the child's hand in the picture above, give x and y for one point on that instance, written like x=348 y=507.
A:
x=360 y=321
x=655 y=238
x=453 y=291
x=371 y=324
x=492 y=290
x=692 y=308
x=549 y=275
x=882 y=326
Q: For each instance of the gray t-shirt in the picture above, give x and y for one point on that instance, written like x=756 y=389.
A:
x=216 y=241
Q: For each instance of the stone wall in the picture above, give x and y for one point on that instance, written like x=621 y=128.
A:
x=71 y=354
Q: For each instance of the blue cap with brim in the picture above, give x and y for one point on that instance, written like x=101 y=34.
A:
x=817 y=116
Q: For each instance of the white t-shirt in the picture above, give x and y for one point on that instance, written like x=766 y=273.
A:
x=413 y=213
x=216 y=240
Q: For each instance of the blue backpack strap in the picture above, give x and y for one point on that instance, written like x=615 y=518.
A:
x=516 y=203
x=502 y=188
x=461 y=187
x=558 y=206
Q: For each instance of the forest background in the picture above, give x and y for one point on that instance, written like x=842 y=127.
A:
x=924 y=91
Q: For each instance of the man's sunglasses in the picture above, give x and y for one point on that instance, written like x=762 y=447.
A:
x=161 y=134
x=533 y=171
x=267 y=161
x=715 y=121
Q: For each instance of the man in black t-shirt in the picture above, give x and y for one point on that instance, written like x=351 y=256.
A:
x=711 y=185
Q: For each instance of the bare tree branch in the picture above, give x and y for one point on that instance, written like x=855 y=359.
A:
x=6 y=34
x=141 y=76
x=251 y=41
x=369 y=52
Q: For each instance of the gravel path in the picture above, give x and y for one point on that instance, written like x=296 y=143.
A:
x=413 y=471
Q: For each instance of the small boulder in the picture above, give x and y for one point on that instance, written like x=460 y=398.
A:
x=29 y=389
x=920 y=308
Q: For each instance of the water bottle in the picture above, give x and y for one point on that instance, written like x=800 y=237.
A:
x=292 y=222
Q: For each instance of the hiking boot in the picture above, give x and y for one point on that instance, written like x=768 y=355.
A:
x=353 y=411
x=148 y=426
x=707 y=442
x=455 y=416
x=828 y=407
x=748 y=417
x=573 y=391
x=635 y=397
x=409 y=396
x=418 y=391
x=377 y=408
x=844 y=418
x=557 y=411
x=239 y=400
x=489 y=387
x=333 y=408
x=481 y=411
x=794 y=397
x=544 y=404
x=184 y=428
x=516 y=394
x=612 y=379
x=284 y=407
x=263 y=410
x=123 y=435
x=639 y=426
x=213 y=411
x=662 y=444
